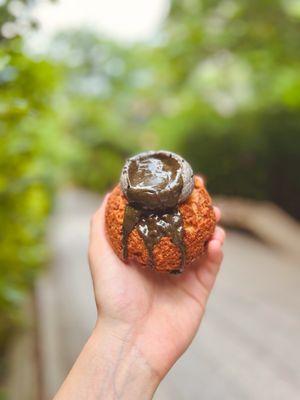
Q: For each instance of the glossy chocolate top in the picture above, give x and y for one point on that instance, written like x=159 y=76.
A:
x=156 y=180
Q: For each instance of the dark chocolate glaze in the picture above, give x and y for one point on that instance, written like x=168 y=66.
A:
x=154 y=182
x=152 y=227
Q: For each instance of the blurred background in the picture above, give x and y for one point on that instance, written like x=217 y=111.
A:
x=85 y=84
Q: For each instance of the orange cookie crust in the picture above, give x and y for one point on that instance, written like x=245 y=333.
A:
x=198 y=222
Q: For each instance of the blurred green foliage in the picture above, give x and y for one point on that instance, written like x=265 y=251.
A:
x=220 y=84
x=96 y=90
x=30 y=155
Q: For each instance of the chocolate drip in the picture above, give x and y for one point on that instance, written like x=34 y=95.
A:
x=131 y=218
x=152 y=227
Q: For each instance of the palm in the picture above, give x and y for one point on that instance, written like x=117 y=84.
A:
x=161 y=309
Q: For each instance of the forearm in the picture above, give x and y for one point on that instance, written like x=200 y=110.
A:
x=110 y=366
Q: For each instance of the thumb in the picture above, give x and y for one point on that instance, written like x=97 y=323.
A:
x=98 y=245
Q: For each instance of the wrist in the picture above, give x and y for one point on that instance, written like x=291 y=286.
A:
x=127 y=373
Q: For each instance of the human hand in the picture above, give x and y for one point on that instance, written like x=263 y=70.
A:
x=157 y=314
x=145 y=321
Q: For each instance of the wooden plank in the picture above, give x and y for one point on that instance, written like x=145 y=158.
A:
x=22 y=381
x=265 y=220
x=247 y=347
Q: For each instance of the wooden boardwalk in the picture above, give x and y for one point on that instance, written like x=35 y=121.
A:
x=248 y=345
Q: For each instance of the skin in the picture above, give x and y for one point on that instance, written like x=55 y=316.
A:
x=145 y=321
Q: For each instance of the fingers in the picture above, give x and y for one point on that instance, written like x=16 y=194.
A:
x=200 y=178
x=97 y=220
x=219 y=235
x=217 y=213
x=98 y=243
x=208 y=268
x=214 y=255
